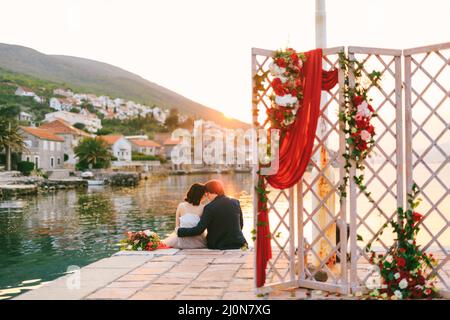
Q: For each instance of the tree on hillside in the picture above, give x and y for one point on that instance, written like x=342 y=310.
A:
x=10 y=140
x=93 y=152
x=172 y=120
x=79 y=125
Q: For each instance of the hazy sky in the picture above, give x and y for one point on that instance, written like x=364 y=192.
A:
x=201 y=48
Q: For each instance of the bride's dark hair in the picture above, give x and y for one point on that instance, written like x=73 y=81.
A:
x=195 y=194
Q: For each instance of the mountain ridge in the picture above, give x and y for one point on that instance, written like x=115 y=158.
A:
x=91 y=76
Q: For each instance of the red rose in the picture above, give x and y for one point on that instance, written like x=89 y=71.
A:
x=361 y=124
x=294 y=58
x=362 y=145
x=294 y=92
x=401 y=262
x=277 y=87
x=281 y=62
x=371 y=129
x=416 y=216
x=371 y=108
x=358 y=100
x=402 y=250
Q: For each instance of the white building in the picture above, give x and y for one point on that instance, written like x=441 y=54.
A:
x=25 y=116
x=91 y=121
x=71 y=136
x=24 y=92
x=27 y=92
x=63 y=92
x=119 y=146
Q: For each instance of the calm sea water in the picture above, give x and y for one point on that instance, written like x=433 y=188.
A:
x=41 y=236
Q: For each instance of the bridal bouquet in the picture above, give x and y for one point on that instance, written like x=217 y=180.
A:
x=141 y=241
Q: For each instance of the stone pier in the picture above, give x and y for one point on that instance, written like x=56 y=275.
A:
x=163 y=274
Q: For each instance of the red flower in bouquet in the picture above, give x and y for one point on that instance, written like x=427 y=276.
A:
x=357 y=100
x=281 y=62
x=401 y=262
x=416 y=216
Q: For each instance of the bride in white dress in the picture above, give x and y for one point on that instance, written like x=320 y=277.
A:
x=187 y=216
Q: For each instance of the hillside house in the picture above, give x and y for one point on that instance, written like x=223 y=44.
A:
x=91 y=121
x=45 y=149
x=120 y=147
x=145 y=146
x=71 y=136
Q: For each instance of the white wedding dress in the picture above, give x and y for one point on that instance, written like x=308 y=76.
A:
x=187 y=220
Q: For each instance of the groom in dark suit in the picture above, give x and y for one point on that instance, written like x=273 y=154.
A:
x=222 y=217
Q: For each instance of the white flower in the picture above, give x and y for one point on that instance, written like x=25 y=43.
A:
x=285 y=100
x=397 y=275
x=398 y=294
x=283 y=79
x=410 y=241
x=403 y=284
x=139 y=249
x=419 y=287
x=129 y=247
x=147 y=233
x=275 y=70
x=389 y=259
x=363 y=109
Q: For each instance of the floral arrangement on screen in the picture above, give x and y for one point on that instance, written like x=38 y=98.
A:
x=141 y=241
x=356 y=116
x=406 y=271
x=287 y=86
x=362 y=131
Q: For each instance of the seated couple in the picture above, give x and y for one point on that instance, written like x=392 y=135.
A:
x=206 y=207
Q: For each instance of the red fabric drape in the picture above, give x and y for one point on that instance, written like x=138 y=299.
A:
x=295 y=149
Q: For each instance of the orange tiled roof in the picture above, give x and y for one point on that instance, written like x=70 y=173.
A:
x=171 y=142
x=145 y=143
x=110 y=139
x=42 y=134
x=61 y=126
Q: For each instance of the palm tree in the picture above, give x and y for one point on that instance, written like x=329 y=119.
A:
x=93 y=152
x=10 y=140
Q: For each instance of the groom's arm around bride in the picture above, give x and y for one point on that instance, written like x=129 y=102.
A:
x=222 y=218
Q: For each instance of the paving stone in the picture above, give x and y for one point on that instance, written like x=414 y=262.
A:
x=240 y=296
x=174 y=258
x=138 y=277
x=241 y=285
x=224 y=267
x=245 y=274
x=112 y=293
x=148 y=271
x=215 y=276
x=172 y=280
x=229 y=260
x=128 y=284
x=152 y=295
x=185 y=297
x=187 y=275
x=188 y=268
x=159 y=264
x=165 y=287
x=209 y=284
x=124 y=262
x=197 y=261
x=201 y=252
x=202 y=291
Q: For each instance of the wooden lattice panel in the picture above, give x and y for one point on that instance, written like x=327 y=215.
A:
x=286 y=267
x=383 y=173
x=427 y=100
